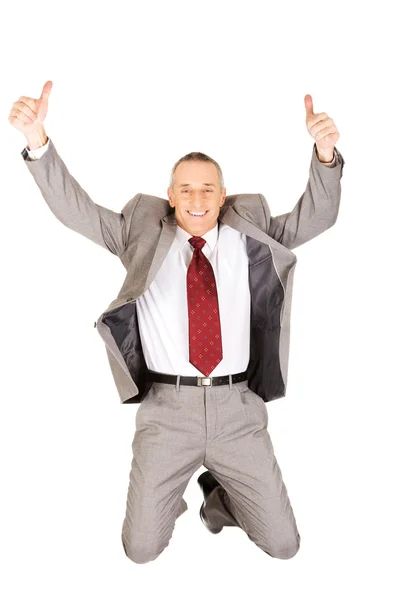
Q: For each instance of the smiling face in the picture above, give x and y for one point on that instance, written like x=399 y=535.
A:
x=196 y=189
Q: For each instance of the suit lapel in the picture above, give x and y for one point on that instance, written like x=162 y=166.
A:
x=229 y=216
x=167 y=236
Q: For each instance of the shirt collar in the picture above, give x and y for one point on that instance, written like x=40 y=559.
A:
x=211 y=237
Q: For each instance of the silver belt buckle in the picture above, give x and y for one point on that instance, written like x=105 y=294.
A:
x=204 y=381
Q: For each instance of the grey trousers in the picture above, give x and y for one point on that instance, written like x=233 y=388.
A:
x=180 y=428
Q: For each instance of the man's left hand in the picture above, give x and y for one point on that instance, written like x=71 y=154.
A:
x=323 y=129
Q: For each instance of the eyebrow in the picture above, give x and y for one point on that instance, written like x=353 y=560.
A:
x=185 y=184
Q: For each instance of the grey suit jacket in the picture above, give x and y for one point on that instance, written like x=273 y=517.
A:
x=141 y=235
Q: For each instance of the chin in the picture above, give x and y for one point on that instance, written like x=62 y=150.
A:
x=197 y=225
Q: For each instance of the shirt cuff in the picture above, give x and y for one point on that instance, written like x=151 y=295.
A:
x=38 y=152
x=333 y=161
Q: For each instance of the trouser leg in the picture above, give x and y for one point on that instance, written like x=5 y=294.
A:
x=168 y=448
x=240 y=455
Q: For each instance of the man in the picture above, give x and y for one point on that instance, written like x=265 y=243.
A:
x=199 y=332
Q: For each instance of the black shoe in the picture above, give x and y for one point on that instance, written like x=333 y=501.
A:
x=206 y=523
x=207 y=483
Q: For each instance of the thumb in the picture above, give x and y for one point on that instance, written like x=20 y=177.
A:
x=46 y=91
x=309 y=105
x=44 y=100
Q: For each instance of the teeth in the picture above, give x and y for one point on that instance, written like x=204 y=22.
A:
x=197 y=214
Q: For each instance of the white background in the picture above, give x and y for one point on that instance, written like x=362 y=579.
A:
x=137 y=85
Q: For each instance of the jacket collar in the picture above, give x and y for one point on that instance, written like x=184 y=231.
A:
x=227 y=215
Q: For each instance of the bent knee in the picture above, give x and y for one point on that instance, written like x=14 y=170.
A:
x=141 y=554
x=285 y=549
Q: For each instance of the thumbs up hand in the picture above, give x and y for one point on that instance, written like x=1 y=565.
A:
x=27 y=114
x=323 y=129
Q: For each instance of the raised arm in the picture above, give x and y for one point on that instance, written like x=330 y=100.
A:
x=318 y=207
x=63 y=194
x=69 y=202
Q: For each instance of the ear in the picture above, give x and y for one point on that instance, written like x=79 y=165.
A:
x=171 y=202
x=223 y=197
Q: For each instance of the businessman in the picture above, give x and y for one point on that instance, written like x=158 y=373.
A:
x=198 y=334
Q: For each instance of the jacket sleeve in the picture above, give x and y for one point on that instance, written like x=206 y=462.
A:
x=318 y=207
x=69 y=202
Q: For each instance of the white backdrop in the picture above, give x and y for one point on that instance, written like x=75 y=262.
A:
x=136 y=85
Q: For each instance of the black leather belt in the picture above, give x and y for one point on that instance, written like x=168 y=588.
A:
x=198 y=381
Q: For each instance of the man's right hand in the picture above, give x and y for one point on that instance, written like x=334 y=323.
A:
x=27 y=114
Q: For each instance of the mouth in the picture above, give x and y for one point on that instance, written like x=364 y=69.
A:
x=197 y=215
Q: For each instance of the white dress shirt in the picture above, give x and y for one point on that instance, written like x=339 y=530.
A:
x=162 y=309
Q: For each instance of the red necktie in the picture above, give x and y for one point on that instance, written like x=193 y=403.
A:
x=205 y=343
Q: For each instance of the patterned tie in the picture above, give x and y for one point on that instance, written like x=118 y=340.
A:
x=205 y=343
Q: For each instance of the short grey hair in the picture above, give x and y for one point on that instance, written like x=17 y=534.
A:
x=197 y=156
